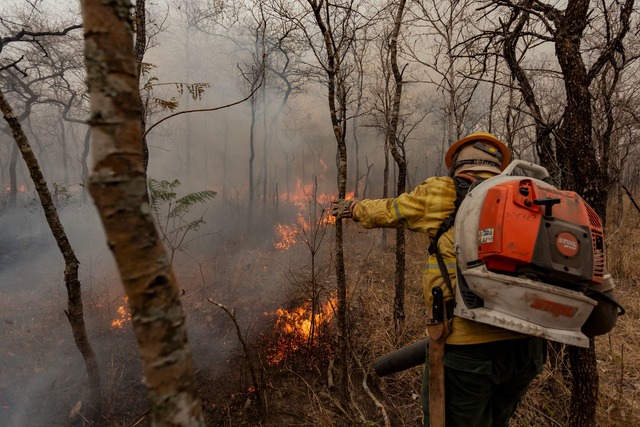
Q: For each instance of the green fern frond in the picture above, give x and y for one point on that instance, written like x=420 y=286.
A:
x=184 y=204
x=196 y=90
x=170 y=213
x=146 y=68
x=191 y=226
x=161 y=192
x=180 y=88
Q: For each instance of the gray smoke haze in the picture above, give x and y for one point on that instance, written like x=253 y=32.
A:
x=41 y=371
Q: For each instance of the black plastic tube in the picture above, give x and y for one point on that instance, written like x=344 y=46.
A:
x=402 y=359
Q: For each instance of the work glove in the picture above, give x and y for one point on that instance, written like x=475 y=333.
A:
x=342 y=208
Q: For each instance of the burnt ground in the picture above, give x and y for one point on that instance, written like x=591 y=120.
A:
x=42 y=374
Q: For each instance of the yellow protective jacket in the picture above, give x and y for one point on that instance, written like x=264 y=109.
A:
x=423 y=210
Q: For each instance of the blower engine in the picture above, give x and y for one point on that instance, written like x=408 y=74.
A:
x=528 y=255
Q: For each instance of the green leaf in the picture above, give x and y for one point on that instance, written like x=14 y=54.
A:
x=184 y=204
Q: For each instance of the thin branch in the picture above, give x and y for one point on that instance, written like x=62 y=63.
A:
x=20 y=36
x=635 y=204
x=201 y=110
x=245 y=348
x=367 y=390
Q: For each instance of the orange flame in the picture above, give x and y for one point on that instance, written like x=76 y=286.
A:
x=294 y=330
x=123 y=314
x=305 y=199
x=21 y=188
x=298 y=320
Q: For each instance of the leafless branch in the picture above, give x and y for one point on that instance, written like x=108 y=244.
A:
x=635 y=204
x=200 y=110
x=245 y=348
x=32 y=36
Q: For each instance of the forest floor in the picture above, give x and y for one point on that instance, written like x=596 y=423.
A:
x=293 y=383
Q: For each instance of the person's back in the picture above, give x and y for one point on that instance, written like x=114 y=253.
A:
x=487 y=368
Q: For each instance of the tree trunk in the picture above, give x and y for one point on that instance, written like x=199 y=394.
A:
x=140 y=49
x=385 y=187
x=65 y=152
x=398 y=156
x=13 y=178
x=544 y=147
x=74 y=310
x=86 y=146
x=118 y=186
x=336 y=95
x=252 y=157
x=576 y=155
x=584 y=385
x=265 y=151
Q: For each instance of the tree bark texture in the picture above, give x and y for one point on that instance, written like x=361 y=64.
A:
x=118 y=186
x=140 y=47
x=580 y=167
x=74 y=310
x=337 y=111
x=13 y=178
x=575 y=154
x=574 y=148
x=401 y=161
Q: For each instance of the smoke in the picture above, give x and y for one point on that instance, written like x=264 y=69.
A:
x=230 y=258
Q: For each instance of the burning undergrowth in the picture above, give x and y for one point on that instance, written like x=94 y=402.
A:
x=302 y=336
x=122 y=314
x=311 y=219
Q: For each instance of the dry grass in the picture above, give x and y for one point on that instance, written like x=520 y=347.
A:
x=303 y=397
x=294 y=394
x=547 y=402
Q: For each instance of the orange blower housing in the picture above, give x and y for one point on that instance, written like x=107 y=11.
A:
x=532 y=230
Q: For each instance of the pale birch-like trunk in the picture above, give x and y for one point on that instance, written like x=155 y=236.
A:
x=118 y=186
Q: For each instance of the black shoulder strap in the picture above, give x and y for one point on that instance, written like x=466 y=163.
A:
x=463 y=183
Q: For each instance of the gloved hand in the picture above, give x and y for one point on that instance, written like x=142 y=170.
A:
x=342 y=208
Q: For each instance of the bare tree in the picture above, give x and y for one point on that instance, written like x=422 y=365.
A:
x=329 y=30
x=568 y=146
x=269 y=60
x=11 y=66
x=118 y=186
x=31 y=64
x=75 y=311
x=453 y=66
x=401 y=161
x=336 y=45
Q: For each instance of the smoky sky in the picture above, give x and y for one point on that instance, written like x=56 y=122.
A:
x=226 y=258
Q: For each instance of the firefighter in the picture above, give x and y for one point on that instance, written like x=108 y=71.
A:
x=487 y=369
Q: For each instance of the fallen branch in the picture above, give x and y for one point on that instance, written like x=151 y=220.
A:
x=379 y=405
x=245 y=349
x=367 y=390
